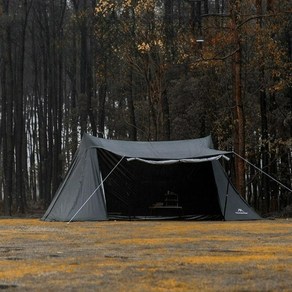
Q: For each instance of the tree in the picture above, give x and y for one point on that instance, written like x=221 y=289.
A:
x=25 y=7
x=239 y=117
x=7 y=83
x=83 y=17
x=140 y=70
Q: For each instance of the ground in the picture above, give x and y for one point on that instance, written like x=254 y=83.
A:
x=145 y=255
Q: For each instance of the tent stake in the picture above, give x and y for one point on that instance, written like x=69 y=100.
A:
x=95 y=190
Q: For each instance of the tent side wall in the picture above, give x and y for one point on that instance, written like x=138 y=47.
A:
x=233 y=206
x=81 y=181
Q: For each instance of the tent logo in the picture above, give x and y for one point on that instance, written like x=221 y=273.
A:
x=241 y=212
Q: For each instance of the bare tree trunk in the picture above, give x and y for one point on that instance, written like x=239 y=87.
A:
x=91 y=72
x=57 y=81
x=86 y=73
x=206 y=6
x=239 y=143
x=169 y=28
x=8 y=147
x=133 y=126
x=264 y=124
x=265 y=145
x=41 y=92
x=153 y=127
x=74 y=110
x=165 y=116
x=239 y=119
x=132 y=114
x=19 y=110
x=101 y=106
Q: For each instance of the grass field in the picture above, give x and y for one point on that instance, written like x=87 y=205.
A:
x=145 y=256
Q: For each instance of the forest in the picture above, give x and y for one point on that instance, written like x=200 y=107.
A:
x=144 y=70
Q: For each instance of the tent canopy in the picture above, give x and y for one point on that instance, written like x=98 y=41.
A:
x=126 y=179
x=160 y=150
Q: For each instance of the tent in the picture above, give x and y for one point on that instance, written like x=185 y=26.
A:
x=147 y=180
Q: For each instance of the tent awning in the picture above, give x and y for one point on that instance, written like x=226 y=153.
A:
x=155 y=150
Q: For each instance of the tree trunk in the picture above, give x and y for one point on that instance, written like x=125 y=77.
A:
x=264 y=147
x=43 y=104
x=239 y=120
x=133 y=126
x=165 y=116
x=86 y=83
x=169 y=28
x=8 y=147
x=74 y=110
x=101 y=106
x=19 y=116
x=239 y=137
x=206 y=6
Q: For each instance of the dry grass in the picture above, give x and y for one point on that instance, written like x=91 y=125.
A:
x=146 y=256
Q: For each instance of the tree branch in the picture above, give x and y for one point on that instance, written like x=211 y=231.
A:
x=221 y=58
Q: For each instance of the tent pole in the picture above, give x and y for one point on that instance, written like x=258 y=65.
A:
x=259 y=169
x=226 y=196
x=95 y=190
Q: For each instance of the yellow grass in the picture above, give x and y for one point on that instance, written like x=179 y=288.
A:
x=146 y=256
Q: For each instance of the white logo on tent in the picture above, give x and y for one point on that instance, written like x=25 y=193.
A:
x=241 y=212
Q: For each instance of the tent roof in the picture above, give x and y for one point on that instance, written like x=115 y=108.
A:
x=179 y=149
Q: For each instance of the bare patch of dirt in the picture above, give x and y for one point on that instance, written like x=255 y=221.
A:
x=145 y=256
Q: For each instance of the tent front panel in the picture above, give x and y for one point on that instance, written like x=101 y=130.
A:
x=135 y=187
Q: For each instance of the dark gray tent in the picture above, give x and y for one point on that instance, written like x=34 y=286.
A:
x=125 y=179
